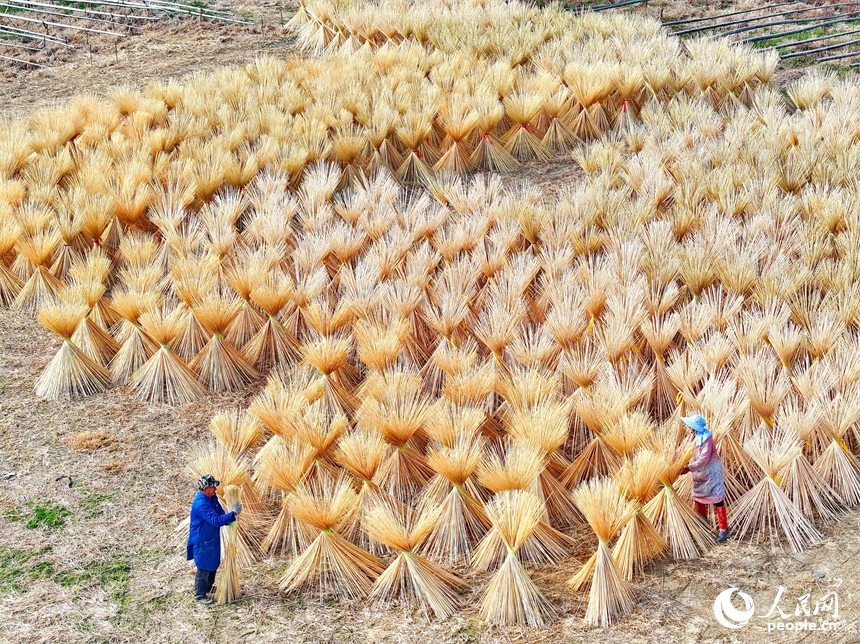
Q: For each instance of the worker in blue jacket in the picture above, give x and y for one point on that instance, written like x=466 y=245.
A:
x=204 y=539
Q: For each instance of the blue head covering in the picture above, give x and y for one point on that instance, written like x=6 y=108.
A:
x=699 y=425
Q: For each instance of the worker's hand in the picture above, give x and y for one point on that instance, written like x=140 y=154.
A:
x=684 y=471
x=237 y=509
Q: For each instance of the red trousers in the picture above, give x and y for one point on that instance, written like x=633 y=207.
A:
x=720 y=508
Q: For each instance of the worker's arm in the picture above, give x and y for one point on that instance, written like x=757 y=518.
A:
x=210 y=516
x=703 y=458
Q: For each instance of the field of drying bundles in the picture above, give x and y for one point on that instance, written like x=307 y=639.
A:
x=462 y=372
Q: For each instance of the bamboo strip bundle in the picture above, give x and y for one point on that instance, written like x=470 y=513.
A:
x=489 y=153
x=411 y=577
x=511 y=596
x=280 y=466
x=229 y=588
x=765 y=383
x=606 y=511
x=398 y=415
x=599 y=410
x=272 y=345
x=164 y=378
x=683 y=529
x=462 y=518
x=520 y=140
x=519 y=467
x=236 y=430
x=765 y=509
x=219 y=365
x=330 y=562
x=41 y=285
x=639 y=542
x=329 y=356
x=361 y=453
x=10 y=283
x=137 y=347
x=836 y=464
x=546 y=425
x=71 y=373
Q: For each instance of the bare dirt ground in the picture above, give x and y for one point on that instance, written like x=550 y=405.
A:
x=169 y=48
x=99 y=561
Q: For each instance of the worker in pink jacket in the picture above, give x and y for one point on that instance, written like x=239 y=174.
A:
x=708 y=484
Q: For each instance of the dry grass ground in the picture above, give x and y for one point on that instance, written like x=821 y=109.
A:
x=98 y=561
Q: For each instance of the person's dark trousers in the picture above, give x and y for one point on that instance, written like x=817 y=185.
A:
x=203 y=582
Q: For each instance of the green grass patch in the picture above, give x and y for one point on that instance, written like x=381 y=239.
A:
x=18 y=568
x=91 y=504
x=111 y=573
x=49 y=516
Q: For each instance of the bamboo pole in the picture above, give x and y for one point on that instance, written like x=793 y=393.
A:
x=809 y=40
x=64 y=26
x=838 y=56
x=6 y=43
x=26 y=33
x=745 y=20
x=163 y=6
x=842 y=18
x=821 y=49
x=728 y=15
x=79 y=10
x=18 y=60
x=62 y=15
x=616 y=5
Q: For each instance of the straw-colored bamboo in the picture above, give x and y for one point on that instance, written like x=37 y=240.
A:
x=228 y=587
x=511 y=596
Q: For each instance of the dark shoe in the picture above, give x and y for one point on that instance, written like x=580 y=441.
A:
x=205 y=600
x=723 y=535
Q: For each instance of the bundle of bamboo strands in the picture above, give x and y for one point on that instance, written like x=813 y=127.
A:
x=765 y=511
x=361 y=453
x=462 y=520
x=330 y=562
x=511 y=596
x=229 y=589
x=639 y=541
x=164 y=377
x=398 y=415
x=281 y=464
x=518 y=466
x=802 y=483
x=219 y=365
x=836 y=464
x=674 y=519
x=411 y=577
x=606 y=511
x=71 y=373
